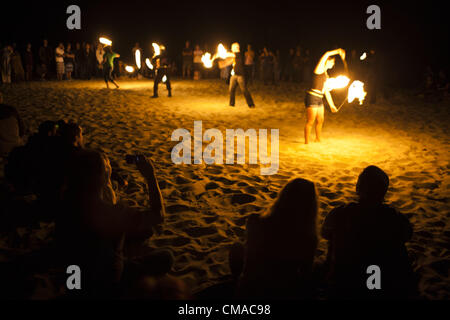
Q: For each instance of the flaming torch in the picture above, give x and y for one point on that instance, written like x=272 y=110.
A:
x=363 y=56
x=138 y=58
x=149 y=64
x=105 y=41
x=356 y=91
x=164 y=79
x=337 y=83
x=156 y=49
x=207 y=61
x=129 y=69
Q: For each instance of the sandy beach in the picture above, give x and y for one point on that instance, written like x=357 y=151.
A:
x=207 y=205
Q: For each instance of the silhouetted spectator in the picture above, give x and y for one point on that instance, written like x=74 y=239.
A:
x=249 y=65
x=69 y=59
x=29 y=61
x=18 y=74
x=289 y=66
x=59 y=58
x=12 y=129
x=45 y=59
x=78 y=60
x=91 y=231
x=368 y=233
x=281 y=245
x=6 y=68
x=187 y=58
x=198 y=64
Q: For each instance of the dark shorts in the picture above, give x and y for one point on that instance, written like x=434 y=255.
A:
x=312 y=101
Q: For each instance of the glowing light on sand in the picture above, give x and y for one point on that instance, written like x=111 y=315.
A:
x=129 y=69
x=105 y=41
x=337 y=83
x=207 y=61
x=164 y=79
x=356 y=91
x=138 y=58
x=363 y=56
x=149 y=64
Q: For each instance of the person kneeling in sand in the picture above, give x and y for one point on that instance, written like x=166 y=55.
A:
x=313 y=99
x=364 y=234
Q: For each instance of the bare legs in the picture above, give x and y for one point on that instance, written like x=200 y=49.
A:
x=317 y=115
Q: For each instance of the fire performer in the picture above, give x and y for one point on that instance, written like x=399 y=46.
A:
x=313 y=100
x=238 y=75
x=108 y=66
x=161 y=63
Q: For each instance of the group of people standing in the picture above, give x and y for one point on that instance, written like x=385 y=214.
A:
x=82 y=62
x=267 y=65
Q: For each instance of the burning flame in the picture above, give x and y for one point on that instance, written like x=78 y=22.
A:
x=105 y=41
x=129 y=69
x=207 y=61
x=138 y=58
x=232 y=72
x=356 y=91
x=149 y=64
x=221 y=51
x=157 y=49
x=363 y=56
x=164 y=79
x=337 y=83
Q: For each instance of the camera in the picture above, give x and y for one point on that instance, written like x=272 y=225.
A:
x=132 y=159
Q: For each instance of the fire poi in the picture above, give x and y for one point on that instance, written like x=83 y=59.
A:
x=105 y=41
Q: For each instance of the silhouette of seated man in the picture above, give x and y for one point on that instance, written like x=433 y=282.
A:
x=368 y=233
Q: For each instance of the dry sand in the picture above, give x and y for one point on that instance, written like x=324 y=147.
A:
x=207 y=205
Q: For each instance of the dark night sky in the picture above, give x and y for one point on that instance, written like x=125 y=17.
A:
x=412 y=35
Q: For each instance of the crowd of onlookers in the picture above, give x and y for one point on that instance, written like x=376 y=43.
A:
x=270 y=66
x=77 y=188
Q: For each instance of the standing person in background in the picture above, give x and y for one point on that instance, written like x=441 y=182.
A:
x=187 y=54
x=277 y=66
x=17 y=66
x=249 y=65
x=78 y=60
x=99 y=53
x=267 y=66
x=45 y=59
x=372 y=76
x=59 y=58
x=69 y=60
x=6 y=64
x=28 y=58
x=87 y=61
x=108 y=66
x=298 y=65
x=307 y=66
x=288 y=72
x=198 y=65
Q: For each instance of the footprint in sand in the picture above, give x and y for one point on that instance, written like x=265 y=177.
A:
x=179 y=241
x=242 y=198
x=178 y=208
x=197 y=232
x=211 y=186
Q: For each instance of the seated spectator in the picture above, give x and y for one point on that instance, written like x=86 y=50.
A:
x=368 y=233
x=280 y=246
x=12 y=129
x=91 y=231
